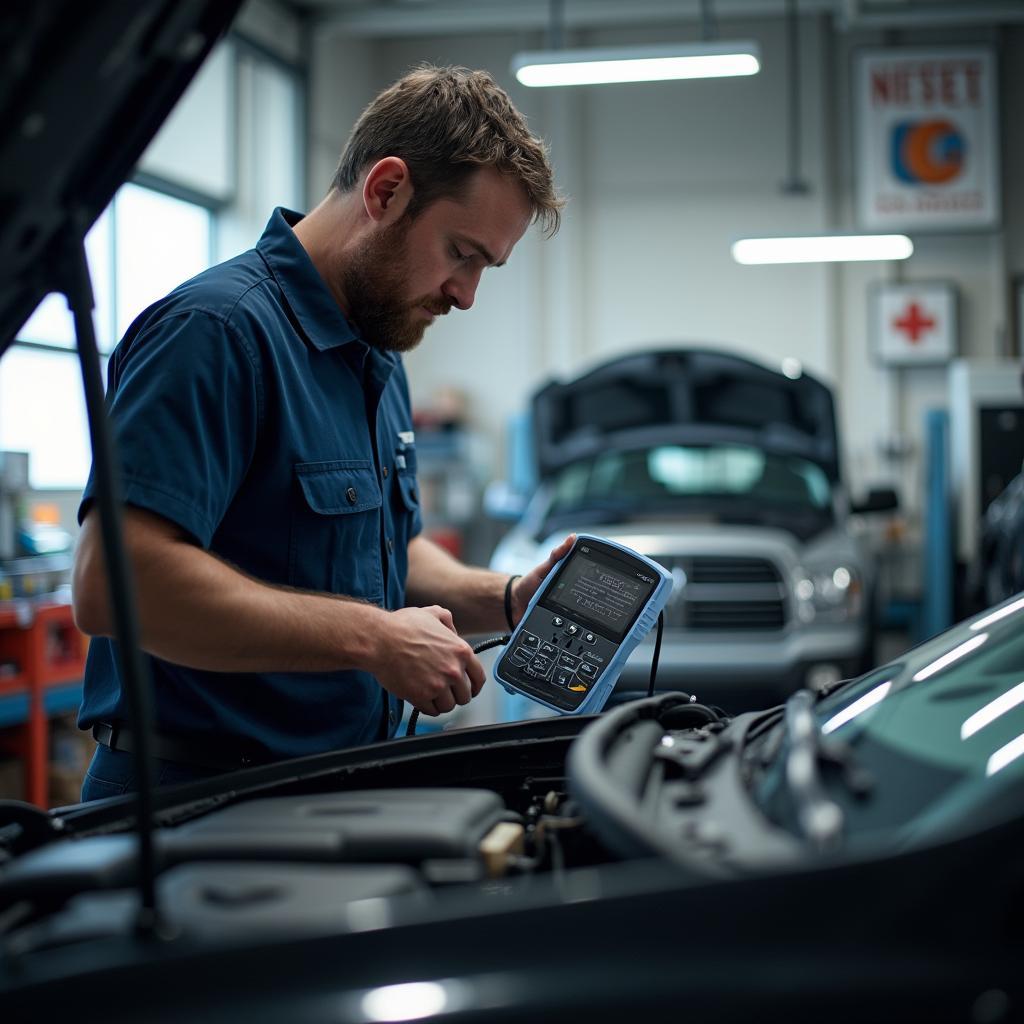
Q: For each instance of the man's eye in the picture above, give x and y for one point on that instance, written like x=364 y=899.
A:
x=458 y=255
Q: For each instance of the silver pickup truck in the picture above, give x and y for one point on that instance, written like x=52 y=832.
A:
x=726 y=472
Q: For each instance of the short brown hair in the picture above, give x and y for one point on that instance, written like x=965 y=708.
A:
x=445 y=123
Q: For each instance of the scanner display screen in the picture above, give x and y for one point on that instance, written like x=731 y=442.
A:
x=601 y=591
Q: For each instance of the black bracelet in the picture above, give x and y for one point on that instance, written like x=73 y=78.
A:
x=508 y=601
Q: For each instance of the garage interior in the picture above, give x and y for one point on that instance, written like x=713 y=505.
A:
x=922 y=354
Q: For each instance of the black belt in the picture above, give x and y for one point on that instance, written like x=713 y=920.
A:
x=221 y=756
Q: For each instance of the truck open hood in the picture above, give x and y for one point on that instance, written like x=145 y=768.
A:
x=83 y=89
x=685 y=396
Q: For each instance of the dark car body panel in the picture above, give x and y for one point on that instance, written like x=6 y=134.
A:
x=83 y=90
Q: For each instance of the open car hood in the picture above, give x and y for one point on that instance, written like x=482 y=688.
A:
x=84 y=87
x=691 y=396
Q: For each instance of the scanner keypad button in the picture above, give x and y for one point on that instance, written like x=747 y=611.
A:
x=587 y=670
x=539 y=667
x=564 y=677
x=572 y=629
x=548 y=650
x=529 y=640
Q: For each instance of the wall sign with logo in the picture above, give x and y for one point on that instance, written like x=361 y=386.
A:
x=914 y=324
x=927 y=138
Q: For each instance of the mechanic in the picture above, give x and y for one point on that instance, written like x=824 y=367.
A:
x=287 y=601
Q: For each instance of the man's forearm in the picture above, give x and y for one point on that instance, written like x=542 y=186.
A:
x=210 y=616
x=475 y=597
x=198 y=611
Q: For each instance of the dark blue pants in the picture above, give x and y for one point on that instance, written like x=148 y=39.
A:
x=112 y=773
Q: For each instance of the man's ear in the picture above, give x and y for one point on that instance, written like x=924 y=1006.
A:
x=387 y=190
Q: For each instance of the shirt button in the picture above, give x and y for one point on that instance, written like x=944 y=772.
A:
x=351 y=495
x=385 y=472
x=391 y=716
x=391 y=546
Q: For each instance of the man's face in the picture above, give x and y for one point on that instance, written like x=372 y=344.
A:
x=410 y=272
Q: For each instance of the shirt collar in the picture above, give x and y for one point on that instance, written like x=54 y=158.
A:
x=319 y=316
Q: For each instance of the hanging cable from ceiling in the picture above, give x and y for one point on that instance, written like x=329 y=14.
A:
x=795 y=184
x=708 y=22
x=556 y=25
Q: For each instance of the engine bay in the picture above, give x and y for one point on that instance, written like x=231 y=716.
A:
x=482 y=814
x=633 y=836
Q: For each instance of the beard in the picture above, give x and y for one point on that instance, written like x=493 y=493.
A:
x=373 y=286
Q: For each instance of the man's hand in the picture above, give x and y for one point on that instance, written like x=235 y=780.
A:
x=421 y=659
x=526 y=586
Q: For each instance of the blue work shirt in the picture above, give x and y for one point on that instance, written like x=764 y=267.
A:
x=248 y=411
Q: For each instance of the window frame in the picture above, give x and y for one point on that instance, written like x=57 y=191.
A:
x=70 y=352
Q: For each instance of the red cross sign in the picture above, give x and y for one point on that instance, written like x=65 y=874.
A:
x=914 y=323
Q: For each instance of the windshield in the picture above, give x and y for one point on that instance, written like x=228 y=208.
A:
x=940 y=734
x=672 y=473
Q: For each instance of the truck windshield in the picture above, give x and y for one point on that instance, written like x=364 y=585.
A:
x=669 y=473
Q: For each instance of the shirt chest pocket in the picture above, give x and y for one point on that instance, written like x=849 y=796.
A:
x=334 y=542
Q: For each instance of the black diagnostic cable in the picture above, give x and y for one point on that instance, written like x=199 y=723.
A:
x=657 y=654
x=710 y=714
x=484 y=645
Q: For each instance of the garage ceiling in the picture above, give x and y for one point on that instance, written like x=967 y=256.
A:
x=431 y=17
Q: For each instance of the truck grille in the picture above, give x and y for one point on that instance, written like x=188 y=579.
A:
x=705 y=569
x=722 y=593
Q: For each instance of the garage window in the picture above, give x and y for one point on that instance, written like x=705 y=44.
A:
x=143 y=244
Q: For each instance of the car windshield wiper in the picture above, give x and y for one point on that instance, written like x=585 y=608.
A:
x=820 y=818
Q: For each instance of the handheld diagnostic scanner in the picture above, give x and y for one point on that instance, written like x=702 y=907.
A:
x=593 y=608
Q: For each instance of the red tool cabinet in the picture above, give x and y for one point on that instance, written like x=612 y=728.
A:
x=42 y=641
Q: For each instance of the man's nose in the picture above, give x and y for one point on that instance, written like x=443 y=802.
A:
x=460 y=289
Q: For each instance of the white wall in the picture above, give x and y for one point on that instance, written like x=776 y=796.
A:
x=663 y=177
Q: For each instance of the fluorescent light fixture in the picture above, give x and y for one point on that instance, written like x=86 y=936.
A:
x=822 y=249
x=722 y=59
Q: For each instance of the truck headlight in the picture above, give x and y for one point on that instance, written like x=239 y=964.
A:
x=828 y=593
